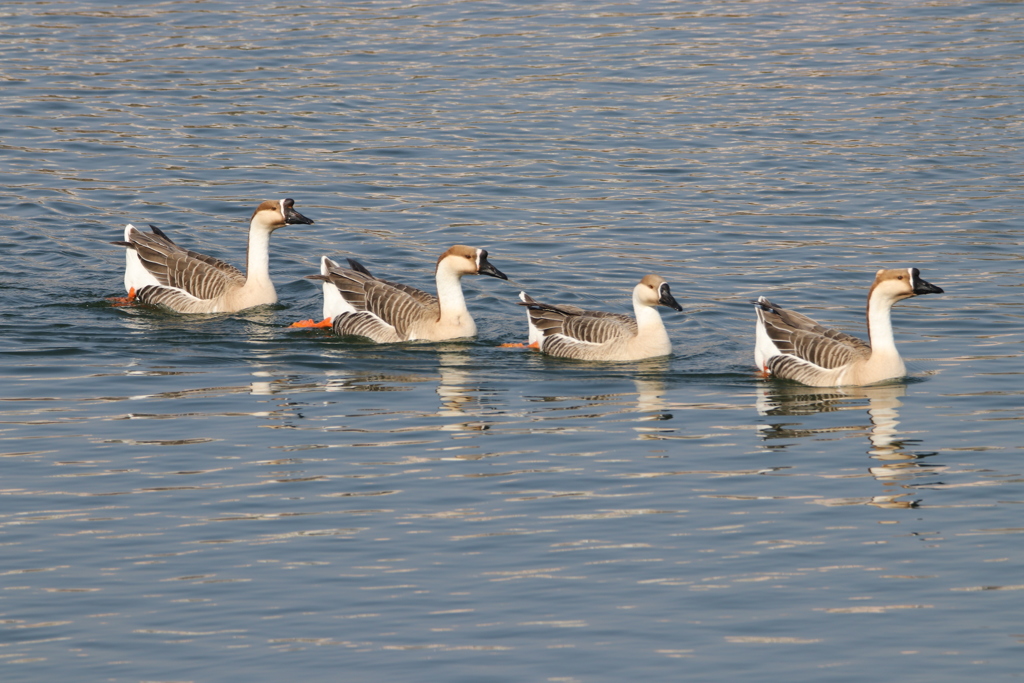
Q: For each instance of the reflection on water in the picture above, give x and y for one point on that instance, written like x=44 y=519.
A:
x=457 y=388
x=886 y=444
x=461 y=395
x=650 y=399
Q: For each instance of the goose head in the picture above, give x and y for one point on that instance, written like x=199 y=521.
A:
x=897 y=284
x=654 y=291
x=462 y=260
x=273 y=214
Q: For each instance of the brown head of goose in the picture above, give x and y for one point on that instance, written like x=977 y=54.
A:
x=789 y=345
x=158 y=271
x=358 y=304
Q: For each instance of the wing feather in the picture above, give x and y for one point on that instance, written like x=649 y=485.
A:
x=572 y=331
x=364 y=324
x=201 y=276
x=592 y=327
x=418 y=294
x=393 y=309
x=175 y=299
x=598 y=327
x=805 y=341
x=398 y=307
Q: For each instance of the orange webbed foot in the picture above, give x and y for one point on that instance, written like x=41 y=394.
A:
x=123 y=300
x=518 y=345
x=326 y=322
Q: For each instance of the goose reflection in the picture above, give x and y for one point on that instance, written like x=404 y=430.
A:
x=886 y=444
x=650 y=391
x=652 y=407
x=649 y=399
x=459 y=391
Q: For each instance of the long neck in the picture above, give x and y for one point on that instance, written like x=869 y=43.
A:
x=648 y=321
x=449 y=294
x=880 y=326
x=258 y=260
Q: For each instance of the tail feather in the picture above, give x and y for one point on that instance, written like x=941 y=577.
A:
x=160 y=233
x=359 y=267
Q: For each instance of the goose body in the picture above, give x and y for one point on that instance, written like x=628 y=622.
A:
x=572 y=332
x=790 y=345
x=159 y=272
x=358 y=304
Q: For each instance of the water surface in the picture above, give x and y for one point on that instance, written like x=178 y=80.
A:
x=221 y=498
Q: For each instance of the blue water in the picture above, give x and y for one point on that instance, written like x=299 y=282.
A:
x=221 y=498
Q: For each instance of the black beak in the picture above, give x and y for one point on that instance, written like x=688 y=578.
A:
x=487 y=269
x=666 y=299
x=293 y=217
x=923 y=287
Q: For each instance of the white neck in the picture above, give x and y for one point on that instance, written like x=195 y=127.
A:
x=648 y=321
x=880 y=326
x=449 y=295
x=257 y=267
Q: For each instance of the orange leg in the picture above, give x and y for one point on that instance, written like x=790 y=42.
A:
x=326 y=322
x=516 y=345
x=123 y=300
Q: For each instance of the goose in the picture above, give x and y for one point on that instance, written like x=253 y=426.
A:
x=571 y=332
x=358 y=304
x=792 y=346
x=159 y=272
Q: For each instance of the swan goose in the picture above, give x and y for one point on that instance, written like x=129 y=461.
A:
x=358 y=304
x=571 y=332
x=792 y=346
x=159 y=272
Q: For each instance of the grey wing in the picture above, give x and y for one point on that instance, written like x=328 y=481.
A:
x=797 y=335
x=351 y=284
x=547 y=319
x=392 y=309
x=597 y=327
x=424 y=298
x=583 y=334
x=398 y=307
x=418 y=294
x=204 y=277
x=175 y=299
x=797 y=369
x=365 y=324
x=573 y=332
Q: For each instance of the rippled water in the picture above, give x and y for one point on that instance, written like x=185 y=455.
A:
x=220 y=498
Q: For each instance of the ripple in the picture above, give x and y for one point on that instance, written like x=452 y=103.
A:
x=504 y=509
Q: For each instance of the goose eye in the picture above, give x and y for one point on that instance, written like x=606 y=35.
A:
x=469 y=257
x=899 y=277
